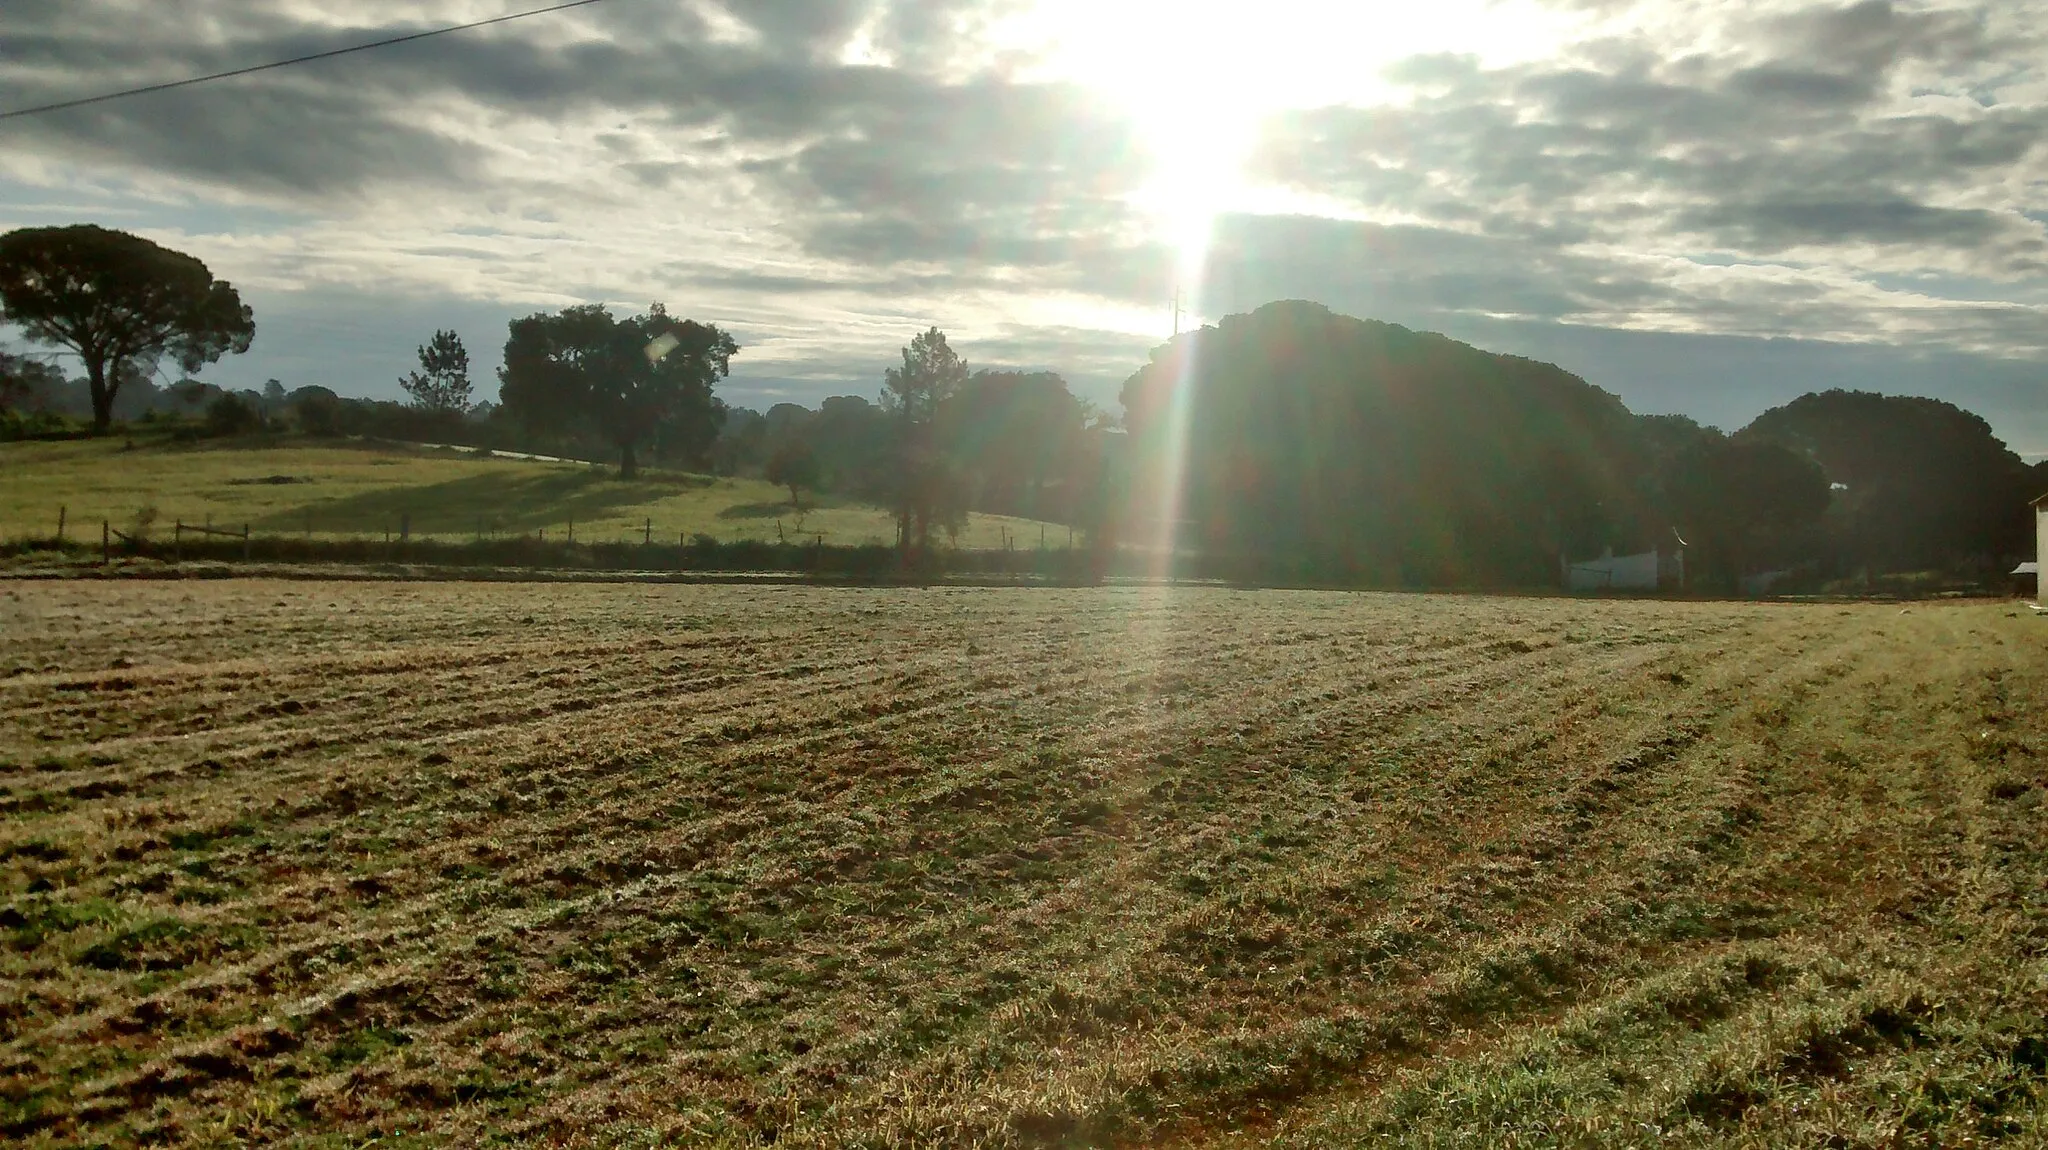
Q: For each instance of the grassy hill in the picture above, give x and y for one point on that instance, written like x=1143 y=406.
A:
x=353 y=490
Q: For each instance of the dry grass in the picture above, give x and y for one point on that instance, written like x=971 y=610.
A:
x=450 y=864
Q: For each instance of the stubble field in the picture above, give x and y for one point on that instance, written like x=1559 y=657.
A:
x=322 y=863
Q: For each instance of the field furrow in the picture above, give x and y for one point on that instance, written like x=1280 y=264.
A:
x=288 y=862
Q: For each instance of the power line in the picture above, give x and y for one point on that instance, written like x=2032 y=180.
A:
x=165 y=87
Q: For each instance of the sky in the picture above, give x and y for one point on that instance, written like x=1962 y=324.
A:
x=1703 y=207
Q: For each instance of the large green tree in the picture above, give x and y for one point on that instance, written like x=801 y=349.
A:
x=1745 y=505
x=120 y=302
x=924 y=489
x=624 y=378
x=794 y=465
x=1922 y=483
x=1016 y=438
x=1318 y=443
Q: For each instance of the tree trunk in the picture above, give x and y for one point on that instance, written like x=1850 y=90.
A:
x=629 y=467
x=102 y=394
x=906 y=479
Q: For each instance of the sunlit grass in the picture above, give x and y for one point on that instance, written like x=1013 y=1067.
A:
x=329 y=861
x=330 y=492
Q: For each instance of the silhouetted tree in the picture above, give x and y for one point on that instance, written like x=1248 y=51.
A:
x=795 y=466
x=25 y=382
x=441 y=384
x=1923 y=483
x=925 y=491
x=684 y=437
x=1012 y=436
x=851 y=438
x=620 y=377
x=118 y=301
x=1744 y=504
x=740 y=447
x=231 y=414
x=1362 y=450
x=317 y=409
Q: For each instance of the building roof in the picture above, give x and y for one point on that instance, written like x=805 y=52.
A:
x=2040 y=500
x=2028 y=568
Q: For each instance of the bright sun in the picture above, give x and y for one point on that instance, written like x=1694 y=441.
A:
x=1200 y=77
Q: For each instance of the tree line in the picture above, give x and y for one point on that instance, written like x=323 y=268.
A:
x=1364 y=452
x=1293 y=439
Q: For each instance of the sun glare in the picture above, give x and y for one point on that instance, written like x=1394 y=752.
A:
x=1198 y=78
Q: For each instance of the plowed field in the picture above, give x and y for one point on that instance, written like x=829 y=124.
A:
x=316 y=863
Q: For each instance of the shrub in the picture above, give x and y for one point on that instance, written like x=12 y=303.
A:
x=230 y=414
x=318 y=414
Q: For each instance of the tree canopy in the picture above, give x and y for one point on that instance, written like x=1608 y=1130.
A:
x=1743 y=504
x=1923 y=483
x=627 y=379
x=441 y=384
x=925 y=488
x=1014 y=437
x=1366 y=450
x=119 y=302
x=794 y=464
x=23 y=379
x=1303 y=441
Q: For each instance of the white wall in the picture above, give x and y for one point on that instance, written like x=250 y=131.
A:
x=1618 y=572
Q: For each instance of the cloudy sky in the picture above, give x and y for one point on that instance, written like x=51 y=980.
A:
x=1705 y=207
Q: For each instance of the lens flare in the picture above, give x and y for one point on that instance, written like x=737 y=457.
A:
x=1173 y=454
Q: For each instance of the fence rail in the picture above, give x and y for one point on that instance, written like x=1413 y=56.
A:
x=181 y=528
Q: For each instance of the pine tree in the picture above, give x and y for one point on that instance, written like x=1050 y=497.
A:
x=442 y=383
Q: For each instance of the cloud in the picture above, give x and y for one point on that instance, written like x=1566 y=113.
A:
x=1012 y=174
x=613 y=105
x=1777 y=225
x=829 y=176
x=1757 y=183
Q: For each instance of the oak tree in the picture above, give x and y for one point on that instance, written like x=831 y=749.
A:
x=621 y=377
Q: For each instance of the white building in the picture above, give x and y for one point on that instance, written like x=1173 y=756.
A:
x=2040 y=549
x=1642 y=572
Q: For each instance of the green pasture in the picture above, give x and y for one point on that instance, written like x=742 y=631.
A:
x=337 y=491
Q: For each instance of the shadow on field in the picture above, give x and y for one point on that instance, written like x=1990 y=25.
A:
x=500 y=502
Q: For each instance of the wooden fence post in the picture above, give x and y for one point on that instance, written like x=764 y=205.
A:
x=245 y=542
x=106 y=543
x=62 y=512
x=647 y=535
